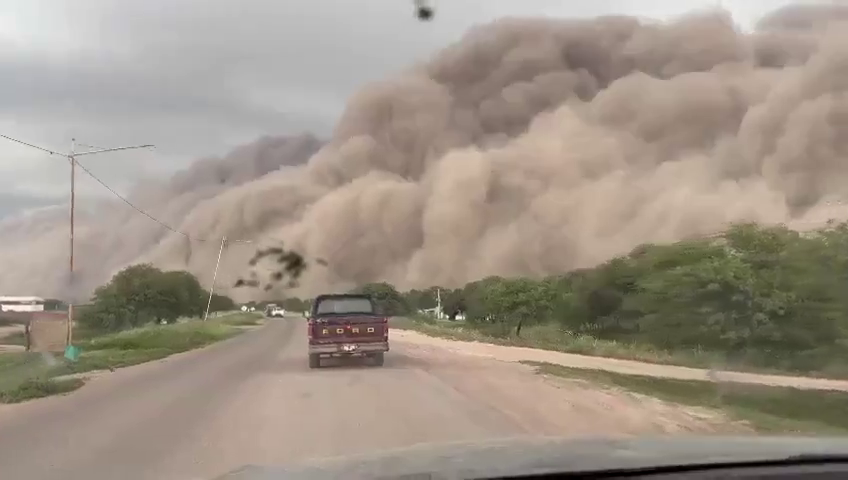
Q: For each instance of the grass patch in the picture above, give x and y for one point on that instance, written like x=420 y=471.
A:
x=242 y=320
x=429 y=325
x=39 y=387
x=27 y=375
x=175 y=338
x=97 y=360
x=766 y=408
x=17 y=367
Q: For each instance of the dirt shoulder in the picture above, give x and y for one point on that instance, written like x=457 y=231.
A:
x=553 y=405
x=522 y=354
x=6 y=330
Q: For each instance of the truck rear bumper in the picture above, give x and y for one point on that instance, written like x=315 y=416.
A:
x=339 y=349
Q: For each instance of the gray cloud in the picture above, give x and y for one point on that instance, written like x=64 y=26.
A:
x=13 y=203
x=198 y=77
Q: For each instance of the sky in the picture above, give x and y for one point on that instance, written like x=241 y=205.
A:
x=199 y=77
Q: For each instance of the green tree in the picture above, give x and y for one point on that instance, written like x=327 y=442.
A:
x=473 y=299
x=386 y=297
x=221 y=303
x=141 y=294
x=295 y=304
x=453 y=302
x=513 y=303
x=179 y=294
x=421 y=299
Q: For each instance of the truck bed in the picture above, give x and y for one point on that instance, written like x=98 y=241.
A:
x=348 y=335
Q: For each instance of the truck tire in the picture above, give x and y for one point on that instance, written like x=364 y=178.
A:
x=378 y=359
x=314 y=361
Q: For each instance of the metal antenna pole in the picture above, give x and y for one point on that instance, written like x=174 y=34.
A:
x=71 y=156
x=214 y=277
x=71 y=262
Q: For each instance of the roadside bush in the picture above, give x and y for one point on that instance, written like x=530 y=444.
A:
x=764 y=297
x=142 y=294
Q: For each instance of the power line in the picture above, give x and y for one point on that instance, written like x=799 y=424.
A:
x=224 y=240
x=51 y=152
x=93 y=147
x=71 y=157
x=145 y=213
x=112 y=190
x=137 y=209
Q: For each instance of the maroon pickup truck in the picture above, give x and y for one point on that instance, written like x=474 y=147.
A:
x=346 y=326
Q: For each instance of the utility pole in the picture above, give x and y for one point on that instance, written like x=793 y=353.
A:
x=71 y=156
x=224 y=243
x=73 y=202
x=438 y=303
x=214 y=277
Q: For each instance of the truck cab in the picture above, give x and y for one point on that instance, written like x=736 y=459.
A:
x=346 y=325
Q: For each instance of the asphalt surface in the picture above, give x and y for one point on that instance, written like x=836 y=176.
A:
x=251 y=399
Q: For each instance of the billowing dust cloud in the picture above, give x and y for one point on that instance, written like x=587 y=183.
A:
x=531 y=146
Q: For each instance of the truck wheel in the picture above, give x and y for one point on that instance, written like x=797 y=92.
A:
x=378 y=360
x=314 y=361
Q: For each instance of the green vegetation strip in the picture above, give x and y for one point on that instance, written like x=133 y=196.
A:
x=754 y=298
x=242 y=320
x=767 y=409
x=27 y=375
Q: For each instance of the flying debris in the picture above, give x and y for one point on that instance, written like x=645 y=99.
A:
x=424 y=11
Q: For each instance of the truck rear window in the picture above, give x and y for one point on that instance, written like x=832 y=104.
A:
x=344 y=305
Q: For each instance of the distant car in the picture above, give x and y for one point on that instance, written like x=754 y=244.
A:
x=278 y=313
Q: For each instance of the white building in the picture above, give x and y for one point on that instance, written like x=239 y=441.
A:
x=21 y=304
x=438 y=313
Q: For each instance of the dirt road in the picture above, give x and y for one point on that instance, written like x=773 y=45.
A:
x=253 y=400
x=7 y=330
x=517 y=354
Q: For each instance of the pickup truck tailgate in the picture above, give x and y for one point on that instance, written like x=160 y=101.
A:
x=348 y=329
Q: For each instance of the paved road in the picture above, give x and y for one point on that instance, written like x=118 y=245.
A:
x=252 y=399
